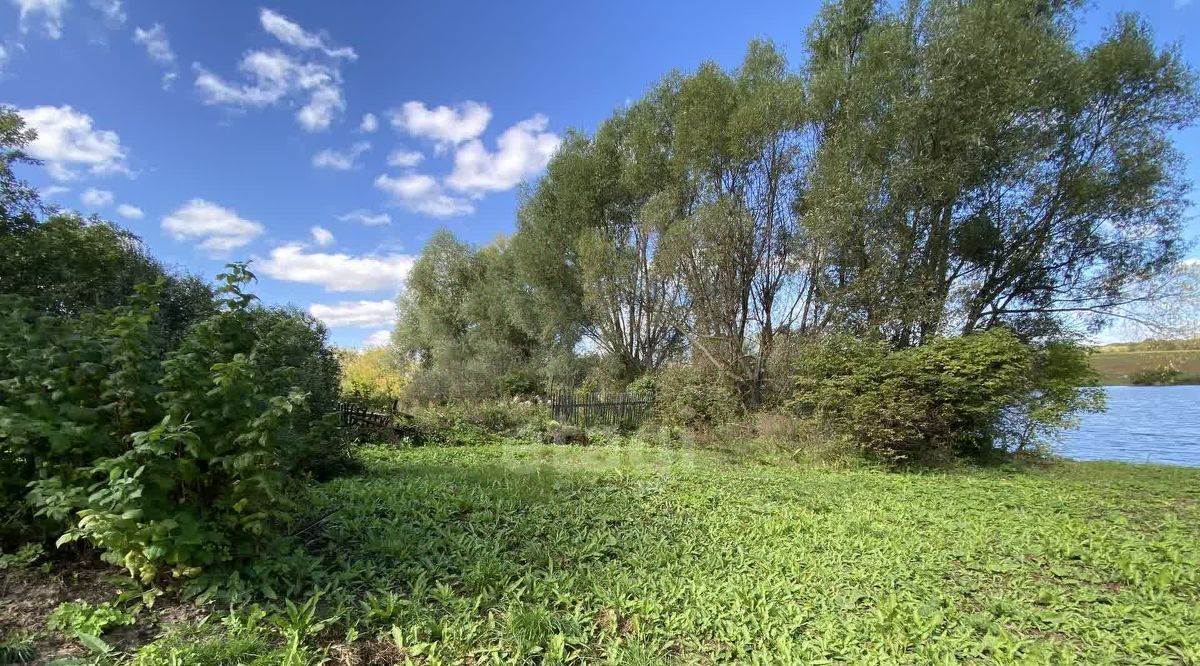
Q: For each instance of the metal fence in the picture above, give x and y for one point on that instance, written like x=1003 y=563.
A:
x=622 y=410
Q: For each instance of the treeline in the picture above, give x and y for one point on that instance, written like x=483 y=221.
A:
x=929 y=170
x=164 y=422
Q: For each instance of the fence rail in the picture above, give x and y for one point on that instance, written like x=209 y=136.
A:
x=621 y=410
x=360 y=415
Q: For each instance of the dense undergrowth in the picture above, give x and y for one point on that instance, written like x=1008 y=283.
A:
x=626 y=553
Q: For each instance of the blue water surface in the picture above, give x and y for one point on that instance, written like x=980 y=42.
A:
x=1157 y=424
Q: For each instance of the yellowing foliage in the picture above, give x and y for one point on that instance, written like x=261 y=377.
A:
x=372 y=373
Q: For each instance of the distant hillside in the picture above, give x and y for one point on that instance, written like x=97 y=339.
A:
x=1190 y=344
x=1122 y=362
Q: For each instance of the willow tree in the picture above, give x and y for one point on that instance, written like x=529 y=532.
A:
x=978 y=167
x=732 y=229
x=589 y=248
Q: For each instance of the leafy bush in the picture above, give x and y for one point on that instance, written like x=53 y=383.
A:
x=372 y=377
x=1164 y=375
x=963 y=396
x=80 y=617
x=689 y=397
x=175 y=465
x=481 y=422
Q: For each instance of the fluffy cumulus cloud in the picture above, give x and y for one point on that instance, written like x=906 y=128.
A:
x=49 y=13
x=366 y=217
x=336 y=272
x=369 y=123
x=423 y=194
x=130 y=212
x=158 y=47
x=218 y=229
x=522 y=151
x=379 y=338
x=340 y=160
x=94 y=198
x=311 y=76
x=404 y=158
x=361 y=314
x=321 y=236
x=68 y=143
x=443 y=124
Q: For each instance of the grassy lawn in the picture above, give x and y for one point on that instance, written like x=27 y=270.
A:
x=607 y=555
x=509 y=554
x=1116 y=367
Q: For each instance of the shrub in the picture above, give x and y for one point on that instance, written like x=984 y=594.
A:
x=690 y=397
x=178 y=465
x=80 y=617
x=963 y=396
x=372 y=377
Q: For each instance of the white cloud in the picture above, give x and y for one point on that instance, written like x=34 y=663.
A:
x=158 y=46
x=404 y=158
x=3 y=57
x=321 y=236
x=378 y=339
x=522 y=151
x=290 y=32
x=94 y=198
x=340 y=160
x=219 y=229
x=423 y=194
x=336 y=272
x=130 y=212
x=50 y=11
x=270 y=77
x=67 y=141
x=443 y=124
x=1191 y=262
x=113 y=10
x=274 y=76
x=369 y=123
x=361 y=314
x=366 y=217
x=54 y=190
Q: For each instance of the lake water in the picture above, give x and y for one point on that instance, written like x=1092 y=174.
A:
x=1158 y=424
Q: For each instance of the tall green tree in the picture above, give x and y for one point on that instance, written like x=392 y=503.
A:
x=587 y=243
x=978 y=167
x=462 y=322
x=18 y=200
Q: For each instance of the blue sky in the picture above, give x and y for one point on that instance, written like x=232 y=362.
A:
x=232 y=130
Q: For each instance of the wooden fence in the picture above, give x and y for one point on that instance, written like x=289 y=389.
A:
x=622 y=410
x=360 y=415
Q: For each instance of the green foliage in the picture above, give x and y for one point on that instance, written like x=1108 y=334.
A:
x=691 y=397
x=464 y=324
x=954 y=396
x=80 y=617
x=175 y=465
x=18 y=200
x=68 y=265
x=1163 y=375
x=23 y=557
x=515 y=554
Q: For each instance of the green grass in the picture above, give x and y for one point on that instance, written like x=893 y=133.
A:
x=511 y=554
x=1118 y=367
x=517 y=554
